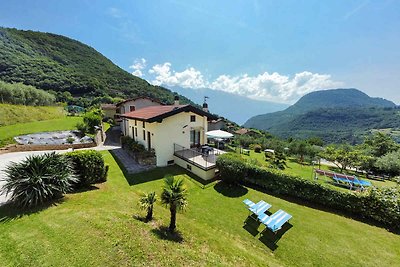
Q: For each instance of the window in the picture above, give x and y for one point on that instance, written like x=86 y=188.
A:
x=144 y=135
x=144 y=125
x=135 y=131
x=194 y=138
x=192 y=118
x=170 y=162
x=132 y=108
x=135 y=122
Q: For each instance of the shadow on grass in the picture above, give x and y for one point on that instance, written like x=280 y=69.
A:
x=9 y=211
x=163 y=233
x=270 y=239
x=229 y=190
x=141 y=218
x=267 y=237
x=251 y=225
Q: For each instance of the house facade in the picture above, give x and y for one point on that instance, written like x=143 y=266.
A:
x=176 y=134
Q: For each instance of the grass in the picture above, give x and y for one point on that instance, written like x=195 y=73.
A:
x=8 y=132
x=103 y=227
x=14 y=114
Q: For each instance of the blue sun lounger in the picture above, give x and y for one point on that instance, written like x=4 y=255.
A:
x=259 y=208
x=275 y=221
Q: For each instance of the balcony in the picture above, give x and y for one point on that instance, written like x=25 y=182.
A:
x=204 y=161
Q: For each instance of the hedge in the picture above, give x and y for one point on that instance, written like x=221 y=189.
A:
x=88 y=166
x=379 y=204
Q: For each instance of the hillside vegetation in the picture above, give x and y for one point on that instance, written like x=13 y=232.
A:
x=13 y=114
x=54 y=62
x=21 y=94
x=338 y=115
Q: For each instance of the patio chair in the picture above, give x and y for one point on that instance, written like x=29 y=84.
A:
x=275 y=221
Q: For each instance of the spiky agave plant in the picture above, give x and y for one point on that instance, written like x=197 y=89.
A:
x=38 y=179
x=146 y=202
x=174 y=196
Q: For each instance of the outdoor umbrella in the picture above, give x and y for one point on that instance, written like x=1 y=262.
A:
x=219 y=134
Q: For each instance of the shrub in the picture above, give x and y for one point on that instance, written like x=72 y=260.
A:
x=38 y=179
x=232 y=168
x=257 y=148
x=132 y=145
x=92 y=119
x=82 y=128
x=379 y=204
x=70 y=140
x=88 y=166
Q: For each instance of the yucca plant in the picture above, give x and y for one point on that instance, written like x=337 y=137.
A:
x=38 y=179
x=146 y=202
x=174 y=196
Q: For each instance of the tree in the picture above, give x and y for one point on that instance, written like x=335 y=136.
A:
x=174 y=196
x=342 y=156
x=381 y=144
x=146 y=202
x=300 y=148
x=389 y=163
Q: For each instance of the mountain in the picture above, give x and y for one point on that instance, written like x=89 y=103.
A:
x=336 y=115
x=54 y=62
x=231 y=106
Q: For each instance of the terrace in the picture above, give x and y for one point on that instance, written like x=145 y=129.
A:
x=204 y=158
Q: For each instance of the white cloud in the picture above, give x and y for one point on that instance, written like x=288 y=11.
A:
x=138 y=66
x=189 y=78
x=115 y=12
x=265 y=86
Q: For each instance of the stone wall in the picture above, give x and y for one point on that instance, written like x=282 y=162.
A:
x=20 y=148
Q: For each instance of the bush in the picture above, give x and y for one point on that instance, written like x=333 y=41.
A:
x=257 y=148
x=82 y=128
x=381 y=205
x=38 y=179
x=132 y=145
x=88 y=166
x=231 y=167
x=92 y=119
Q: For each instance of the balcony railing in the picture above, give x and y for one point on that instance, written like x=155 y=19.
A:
x=204 y=161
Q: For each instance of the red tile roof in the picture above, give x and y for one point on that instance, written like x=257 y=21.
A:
x=157 y=113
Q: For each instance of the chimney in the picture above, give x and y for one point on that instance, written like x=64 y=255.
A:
x=205 y=107
x=176 y=101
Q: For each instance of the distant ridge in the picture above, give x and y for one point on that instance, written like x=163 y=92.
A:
x=335 y=115
x=231 y=106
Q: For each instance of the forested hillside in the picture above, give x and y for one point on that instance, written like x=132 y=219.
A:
x=338 y=115
x=54 y=62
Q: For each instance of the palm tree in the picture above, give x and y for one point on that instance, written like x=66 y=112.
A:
x=174 y=195
x=146 y=202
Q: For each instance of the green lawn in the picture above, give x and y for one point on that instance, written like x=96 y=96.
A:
x=13 y=114
x=8 y=132
x=100 y=228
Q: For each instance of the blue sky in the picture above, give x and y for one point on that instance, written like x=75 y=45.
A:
x=268 y=50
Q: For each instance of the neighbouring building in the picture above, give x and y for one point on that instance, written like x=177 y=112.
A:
x=109 y=110
x=176 y=133
x=129 y=106
x=217 y=124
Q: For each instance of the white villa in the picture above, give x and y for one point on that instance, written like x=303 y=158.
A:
x=175 y=132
